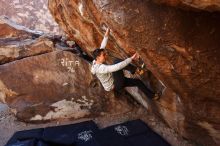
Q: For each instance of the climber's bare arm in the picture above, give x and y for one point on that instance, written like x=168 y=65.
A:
x=105 y=39
x=107 y=32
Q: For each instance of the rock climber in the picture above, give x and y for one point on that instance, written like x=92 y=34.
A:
x=111 y=76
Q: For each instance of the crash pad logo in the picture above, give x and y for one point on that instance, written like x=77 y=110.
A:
x=85 y=135
x=122 y=130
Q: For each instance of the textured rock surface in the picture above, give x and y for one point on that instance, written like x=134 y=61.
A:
x=209 y=5
x=20 y=49
x=17 y=42
x=181 y=48
x=54 y=86
x=32 y=14
x=9 y=29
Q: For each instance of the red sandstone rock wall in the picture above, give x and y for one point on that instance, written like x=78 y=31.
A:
x=181 y=48
x=208 y=5
x=33 y=14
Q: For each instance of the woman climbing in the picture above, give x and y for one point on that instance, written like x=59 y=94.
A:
x=111 y=76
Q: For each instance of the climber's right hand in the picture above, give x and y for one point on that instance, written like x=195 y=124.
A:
x=135 y=56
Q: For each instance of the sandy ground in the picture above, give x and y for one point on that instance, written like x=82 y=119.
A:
x=9 y=124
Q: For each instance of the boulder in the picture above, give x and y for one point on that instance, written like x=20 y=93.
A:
x=31 y=14
x=10 y=29
x=17 y=42
x=14 y=50
x=55 y=86
x=180 y=48
x=41 y=82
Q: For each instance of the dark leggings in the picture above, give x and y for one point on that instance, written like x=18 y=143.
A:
x=120 y=81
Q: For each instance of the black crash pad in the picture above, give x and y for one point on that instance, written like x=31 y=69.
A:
x=131 y=133
x=31 y=142
x=70 y=134
x=25 y=135
x=147 y=139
